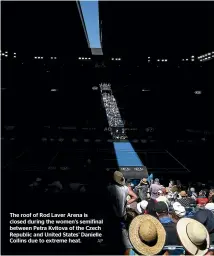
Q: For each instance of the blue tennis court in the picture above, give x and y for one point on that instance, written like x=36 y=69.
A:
x=126 y=155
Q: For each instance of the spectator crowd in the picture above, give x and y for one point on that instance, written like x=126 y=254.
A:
x=112 y=110
x=154 y=218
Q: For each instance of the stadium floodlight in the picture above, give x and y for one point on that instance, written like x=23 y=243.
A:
x=162 y=60
x=35 y=57
x=192 y=56
x=158 y=60
x=15 y=53
x=42 y=58
x=182 y=59
x=209 y=53
x=2 y=54
x=89 y=58
x=148 y=57
x=209 y=57
x=53 y=90
x=6 y=52
x=38 y=57
x=6 y=55
x=79 y=58
x=186 y=59
x=112 y=58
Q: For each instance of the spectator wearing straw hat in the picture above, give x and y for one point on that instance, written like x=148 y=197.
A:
x=147 y=236
x=142 y=189
x=193 y=236
x=118 y=193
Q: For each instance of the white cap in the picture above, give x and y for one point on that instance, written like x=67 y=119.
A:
x=210 y=206
x=179 y=209
x=142 y=206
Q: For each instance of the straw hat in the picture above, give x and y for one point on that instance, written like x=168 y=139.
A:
x=183 y=193
x=147 y=235
x=193 y=236
x=144 y=181
x=119 y=178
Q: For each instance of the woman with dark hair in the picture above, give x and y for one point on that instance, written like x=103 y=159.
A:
x=147 y=207
x=206 y=218
x=151 y=207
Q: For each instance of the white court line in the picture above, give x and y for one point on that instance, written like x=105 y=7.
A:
x=53 y=158
x=177 y=161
